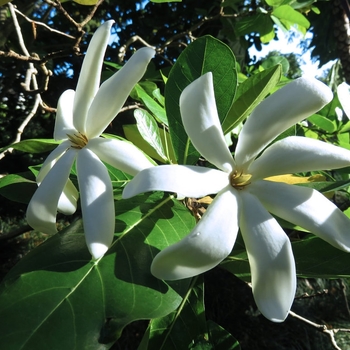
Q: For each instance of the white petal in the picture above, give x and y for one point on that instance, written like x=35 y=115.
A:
x=210 y=242
x=42 y=209
x=90 y=74
x=201 y=122
x=120 y=154
x=270 y=257
x=67 y=203
x=51 y=160
x=298 y=154
x=114 y=92
x=289 y=105
x=97 y=204
x=189 y=181
x=307 y=208
x=64 y=116
x=343 y=91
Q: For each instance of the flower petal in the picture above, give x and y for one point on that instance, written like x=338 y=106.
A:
x=42 y=208
x=114 y=92
x=343 y=91
x=201 y=122
x=210 y=242
x=270 y=257
x=289 y=105
x=305 y=207
x=120 y=154
x=89 y=78
x=64 y=116
x=297 y=154
x=67 y=203
x=97 y=204
x=189 y=181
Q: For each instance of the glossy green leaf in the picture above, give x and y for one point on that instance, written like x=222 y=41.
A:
x=249 y=94
x=198 y=58
x=322 y=123
x=13 y=179
x=157 y=110
x=57 y=298
x=187 y=328
x=184 y=326
x=149 y=131
x=33 y=145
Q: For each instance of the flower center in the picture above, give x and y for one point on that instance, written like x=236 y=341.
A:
x=238 y=180
x=78 y=141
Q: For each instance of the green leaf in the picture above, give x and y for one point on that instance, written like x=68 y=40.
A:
x=18 y=188
x=187 y=328
x=157 y=110
x=259 y=23
x=250 y=93
x=57 y=298
x=290 y=17
x=273 y=61
x=322 y=123
x=132 y=133
x=316 y=258
x=3 y=2
x=220 y=338
x=149 y=131
x=198 y=58
x=33 y=145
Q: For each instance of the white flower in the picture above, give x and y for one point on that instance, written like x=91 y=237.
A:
x=244 y=199
x=81 y=118
x=343 y=91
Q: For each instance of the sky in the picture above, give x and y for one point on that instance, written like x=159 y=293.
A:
x=284 y=46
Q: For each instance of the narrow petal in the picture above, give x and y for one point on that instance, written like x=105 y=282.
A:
x=120 y=154
x=307 y=208
x=298 y=154
x=289 y=105
x=210 y=242
x=67 y=203
x=97 y=204
x=90 y=74
x=270 y=257
x=343 y=91
x=201 y=122
x=189 y=181
x=42 y=209
x=114 y=92
x=64 y=116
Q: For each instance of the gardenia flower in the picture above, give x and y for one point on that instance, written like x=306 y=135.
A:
x=81 y=118
x=244 y=199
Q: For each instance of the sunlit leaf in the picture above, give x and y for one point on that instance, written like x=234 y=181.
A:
x=149 y=131
x=322 y=123
x=249 y=94
x=33 y=145
x=157 y=110
x=57 y=298
x=198 y=58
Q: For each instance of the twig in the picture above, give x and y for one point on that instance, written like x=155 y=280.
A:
x=323 y=328
x=44 y=25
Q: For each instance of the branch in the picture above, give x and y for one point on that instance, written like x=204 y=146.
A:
x=323 y=328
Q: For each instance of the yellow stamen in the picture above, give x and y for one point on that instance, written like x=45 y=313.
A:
x=78 y=141
x=238 y=180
